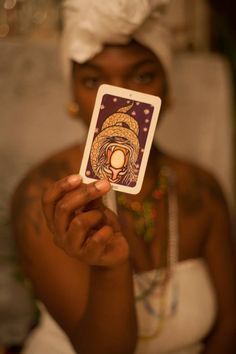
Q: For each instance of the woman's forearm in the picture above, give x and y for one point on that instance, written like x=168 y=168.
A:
x=109 y=323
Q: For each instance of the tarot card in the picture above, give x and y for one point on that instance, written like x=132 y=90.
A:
x=120 y=138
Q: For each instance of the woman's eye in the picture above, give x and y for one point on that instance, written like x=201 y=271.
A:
x=91 y=82
x=145 y=78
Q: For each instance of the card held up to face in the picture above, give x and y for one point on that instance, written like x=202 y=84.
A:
x=120 y=138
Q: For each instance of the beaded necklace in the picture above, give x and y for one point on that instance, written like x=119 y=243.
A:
x=144 y=215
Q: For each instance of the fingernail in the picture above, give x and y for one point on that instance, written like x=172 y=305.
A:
x=102 y=185
x=74 y=179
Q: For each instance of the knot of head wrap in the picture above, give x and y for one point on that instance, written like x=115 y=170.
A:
x=90 y=24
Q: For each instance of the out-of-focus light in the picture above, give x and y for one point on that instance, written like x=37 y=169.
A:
x=9 y=4
x=4 y=30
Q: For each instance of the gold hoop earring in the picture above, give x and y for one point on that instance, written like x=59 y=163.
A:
x=73 y=109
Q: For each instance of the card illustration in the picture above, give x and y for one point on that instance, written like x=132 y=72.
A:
x=119 y=140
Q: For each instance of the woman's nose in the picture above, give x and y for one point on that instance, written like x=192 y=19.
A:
x=120 y=82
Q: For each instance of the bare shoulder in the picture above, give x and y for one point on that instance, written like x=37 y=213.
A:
x=56 y=166
x=197 y=186
x=26 y=200
x=51 y=169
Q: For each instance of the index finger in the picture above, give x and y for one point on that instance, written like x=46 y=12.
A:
x=67 y=200
x=55 y=192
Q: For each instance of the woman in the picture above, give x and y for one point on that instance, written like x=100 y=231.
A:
x=158 y=277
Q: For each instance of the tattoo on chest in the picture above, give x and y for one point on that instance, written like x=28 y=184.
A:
x=190 y=204
x=190 y=198
x=55 y=170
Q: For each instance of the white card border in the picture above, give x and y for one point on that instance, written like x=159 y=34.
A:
x=155 y=101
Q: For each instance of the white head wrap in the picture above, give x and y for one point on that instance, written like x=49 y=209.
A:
x=90 y=24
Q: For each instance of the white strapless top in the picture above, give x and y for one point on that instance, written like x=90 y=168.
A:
x=180 y=332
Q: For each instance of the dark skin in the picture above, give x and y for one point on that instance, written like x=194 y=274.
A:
x=74 y=246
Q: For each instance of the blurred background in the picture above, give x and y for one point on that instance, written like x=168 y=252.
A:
x=200 y=126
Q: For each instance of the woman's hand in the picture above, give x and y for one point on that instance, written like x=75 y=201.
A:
x=81 y=225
